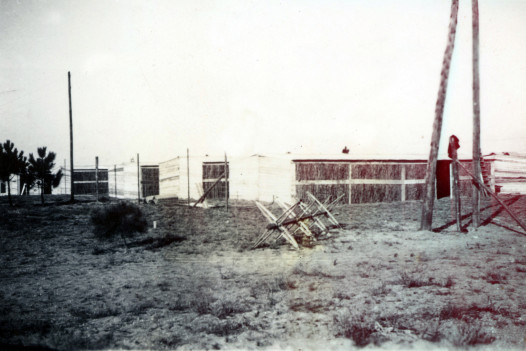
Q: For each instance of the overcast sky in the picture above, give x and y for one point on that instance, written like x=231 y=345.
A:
x=244 y=77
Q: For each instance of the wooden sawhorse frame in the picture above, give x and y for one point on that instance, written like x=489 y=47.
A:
x=300 y=217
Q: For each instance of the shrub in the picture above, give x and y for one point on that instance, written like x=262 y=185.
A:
x=470 y=335
x=358 y=328
x=123 y=218
x=495 y=277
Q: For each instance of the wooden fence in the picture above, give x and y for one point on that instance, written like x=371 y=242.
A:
x=361 y=182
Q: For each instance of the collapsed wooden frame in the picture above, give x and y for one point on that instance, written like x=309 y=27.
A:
x=301 y=218
x=486 y=190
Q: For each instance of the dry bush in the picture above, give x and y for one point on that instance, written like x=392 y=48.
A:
x=181 y=303
x=417 y=282
x=358 y=328
x=474 y=312
x=381 y=290
x=470 y=335
x=495 y=277
x=123 y=218
x=228 y=307
x=316 y=272
x=203 y=302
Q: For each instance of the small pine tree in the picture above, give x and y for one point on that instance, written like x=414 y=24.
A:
x=41 y=168
x=11 y=163
x=27 y=178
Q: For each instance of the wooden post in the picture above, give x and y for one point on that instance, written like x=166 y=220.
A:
x=65 y=178
x=97 y=177
x=453 y=147
x=226 y=182
x=72 y=190
x=188 y=173
x=429 y=194
x=115 y=177
x=138 y=181
x=403 y=197
x=476 y=114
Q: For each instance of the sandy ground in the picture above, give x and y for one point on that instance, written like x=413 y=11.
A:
x=194 y=283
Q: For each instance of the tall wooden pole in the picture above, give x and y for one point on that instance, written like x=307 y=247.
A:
x=72 y=168
x=97 y=177
x=138 y=181
x=429 y=194
x=188 y=173
x=226 y=182
x=476 y=114
x=65 y=178
x=115 y=177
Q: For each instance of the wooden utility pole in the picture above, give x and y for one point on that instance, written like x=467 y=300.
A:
x=476 y=114
x=72 y=190
x=226 y=182
x=452 y=151
x=97 y=177
x=429 y=194
x=65 y=178
x=138 y=181
x=188 y=173
x=115 y=177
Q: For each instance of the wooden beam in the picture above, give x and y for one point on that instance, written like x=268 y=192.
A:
x=488 y=190
x=323 y=209
x=209 y=189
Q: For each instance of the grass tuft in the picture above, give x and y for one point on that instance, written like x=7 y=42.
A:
x=358 y=328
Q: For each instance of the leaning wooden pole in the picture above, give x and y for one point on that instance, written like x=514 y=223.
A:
x=72 y=168
x=429 y=194
x=476 y=114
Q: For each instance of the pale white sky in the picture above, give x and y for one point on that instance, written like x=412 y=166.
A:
x=156 y=77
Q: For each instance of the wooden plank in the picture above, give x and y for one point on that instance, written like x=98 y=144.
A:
x=209 y=189
x=306 y=210
x=327 y=212
x=361 y=181
x=299 y=221
x=331 y=205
